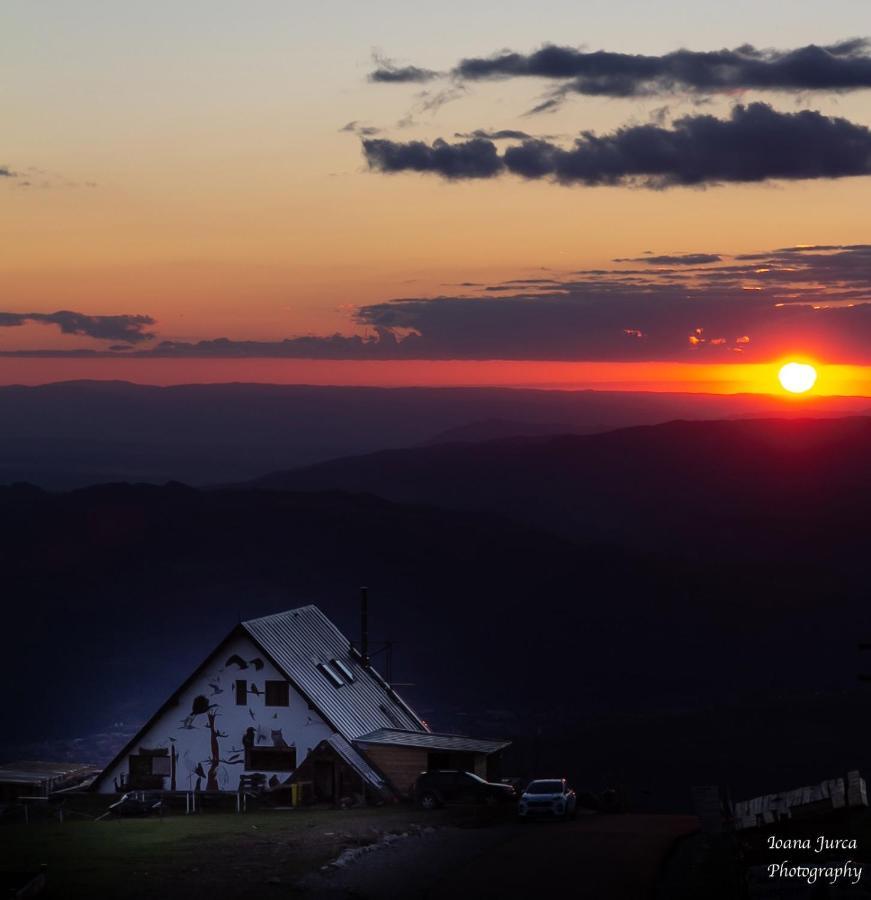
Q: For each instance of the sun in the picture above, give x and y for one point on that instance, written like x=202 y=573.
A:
x=797 y=378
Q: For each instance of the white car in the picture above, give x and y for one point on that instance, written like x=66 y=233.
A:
x=547 y=797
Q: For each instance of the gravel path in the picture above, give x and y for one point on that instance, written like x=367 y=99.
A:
x=407 y=868
x=601 y=857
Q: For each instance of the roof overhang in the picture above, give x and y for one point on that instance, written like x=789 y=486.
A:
x=457 y=743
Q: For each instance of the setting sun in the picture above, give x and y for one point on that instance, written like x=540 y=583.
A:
x=797 y=378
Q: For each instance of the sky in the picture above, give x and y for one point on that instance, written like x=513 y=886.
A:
x=365 y=193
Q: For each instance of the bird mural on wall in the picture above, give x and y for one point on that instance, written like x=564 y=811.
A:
x=236 y=660
x=201 y=705
x=216 y=689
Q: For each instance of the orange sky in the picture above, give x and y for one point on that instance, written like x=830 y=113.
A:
x=834 y=380
x=189 y=164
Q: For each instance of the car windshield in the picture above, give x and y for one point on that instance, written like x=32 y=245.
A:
x=545 y=787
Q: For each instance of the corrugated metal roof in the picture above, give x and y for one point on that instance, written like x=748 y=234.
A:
x=32 y=771
x=431 y=741
x=300 y=640
x=356 y=762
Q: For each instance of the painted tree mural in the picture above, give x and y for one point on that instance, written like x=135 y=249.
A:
x=215 y=759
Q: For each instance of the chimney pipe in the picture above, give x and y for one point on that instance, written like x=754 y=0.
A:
x=364 y=626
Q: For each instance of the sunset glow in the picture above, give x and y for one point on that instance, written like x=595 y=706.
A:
x=252 y=214
x=797 y=378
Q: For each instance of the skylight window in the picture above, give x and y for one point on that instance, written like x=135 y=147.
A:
x=331 y=673
x=344 y=669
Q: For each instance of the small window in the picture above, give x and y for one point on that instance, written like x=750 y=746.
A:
x=344 y=669
x=271 y=759
x=241 y=693
x=331 y=673
x=277 y=693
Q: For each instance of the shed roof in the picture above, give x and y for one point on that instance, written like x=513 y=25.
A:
x=39 y=772
x=428 y=740
x=301 y=642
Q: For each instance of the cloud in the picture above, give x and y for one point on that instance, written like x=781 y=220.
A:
x=35 y=178
x=843 y=66
x=355 y=127
x=683 y=259
x=503 y=134
x=813 y=299
x=388 y=72
x=130 y=329
x=755 y=143
x=476 y=158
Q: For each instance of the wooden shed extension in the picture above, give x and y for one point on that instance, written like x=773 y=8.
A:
x=402 y=755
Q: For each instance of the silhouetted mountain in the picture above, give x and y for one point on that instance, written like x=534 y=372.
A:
x=73 y=434
x=121 y=589
x=495 y=429
x=746 y=489
x=659 y=669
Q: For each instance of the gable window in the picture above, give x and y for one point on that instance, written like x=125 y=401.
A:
x=270 y=759
x=331 y=673
x=241 y=693
x=344 y=669
x=277 y=693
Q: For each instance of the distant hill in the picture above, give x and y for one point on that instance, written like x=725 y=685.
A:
x=73 y=434
x=494 y=429
x=124 y=588
x=669 y=605
x=582 y=654
x=746 y=489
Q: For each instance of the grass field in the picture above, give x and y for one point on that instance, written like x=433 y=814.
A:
x=206 y=855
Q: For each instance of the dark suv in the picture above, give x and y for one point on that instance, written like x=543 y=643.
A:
x=446 y=786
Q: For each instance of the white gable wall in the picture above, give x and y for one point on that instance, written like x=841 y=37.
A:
x=207 y=710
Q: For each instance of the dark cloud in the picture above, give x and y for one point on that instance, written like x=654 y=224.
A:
x=755 y=143
x=813 y=299
x=844 y=66
x=6 y=172
x=502 y=134
x=130 y=329
x=388 y=72
x=476 y=158
x=683 y=259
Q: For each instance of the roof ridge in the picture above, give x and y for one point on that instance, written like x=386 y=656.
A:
x=284 y=612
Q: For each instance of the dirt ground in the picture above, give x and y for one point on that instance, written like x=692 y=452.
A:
x=599 y=857
x=200 y=856
x=391 y=852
